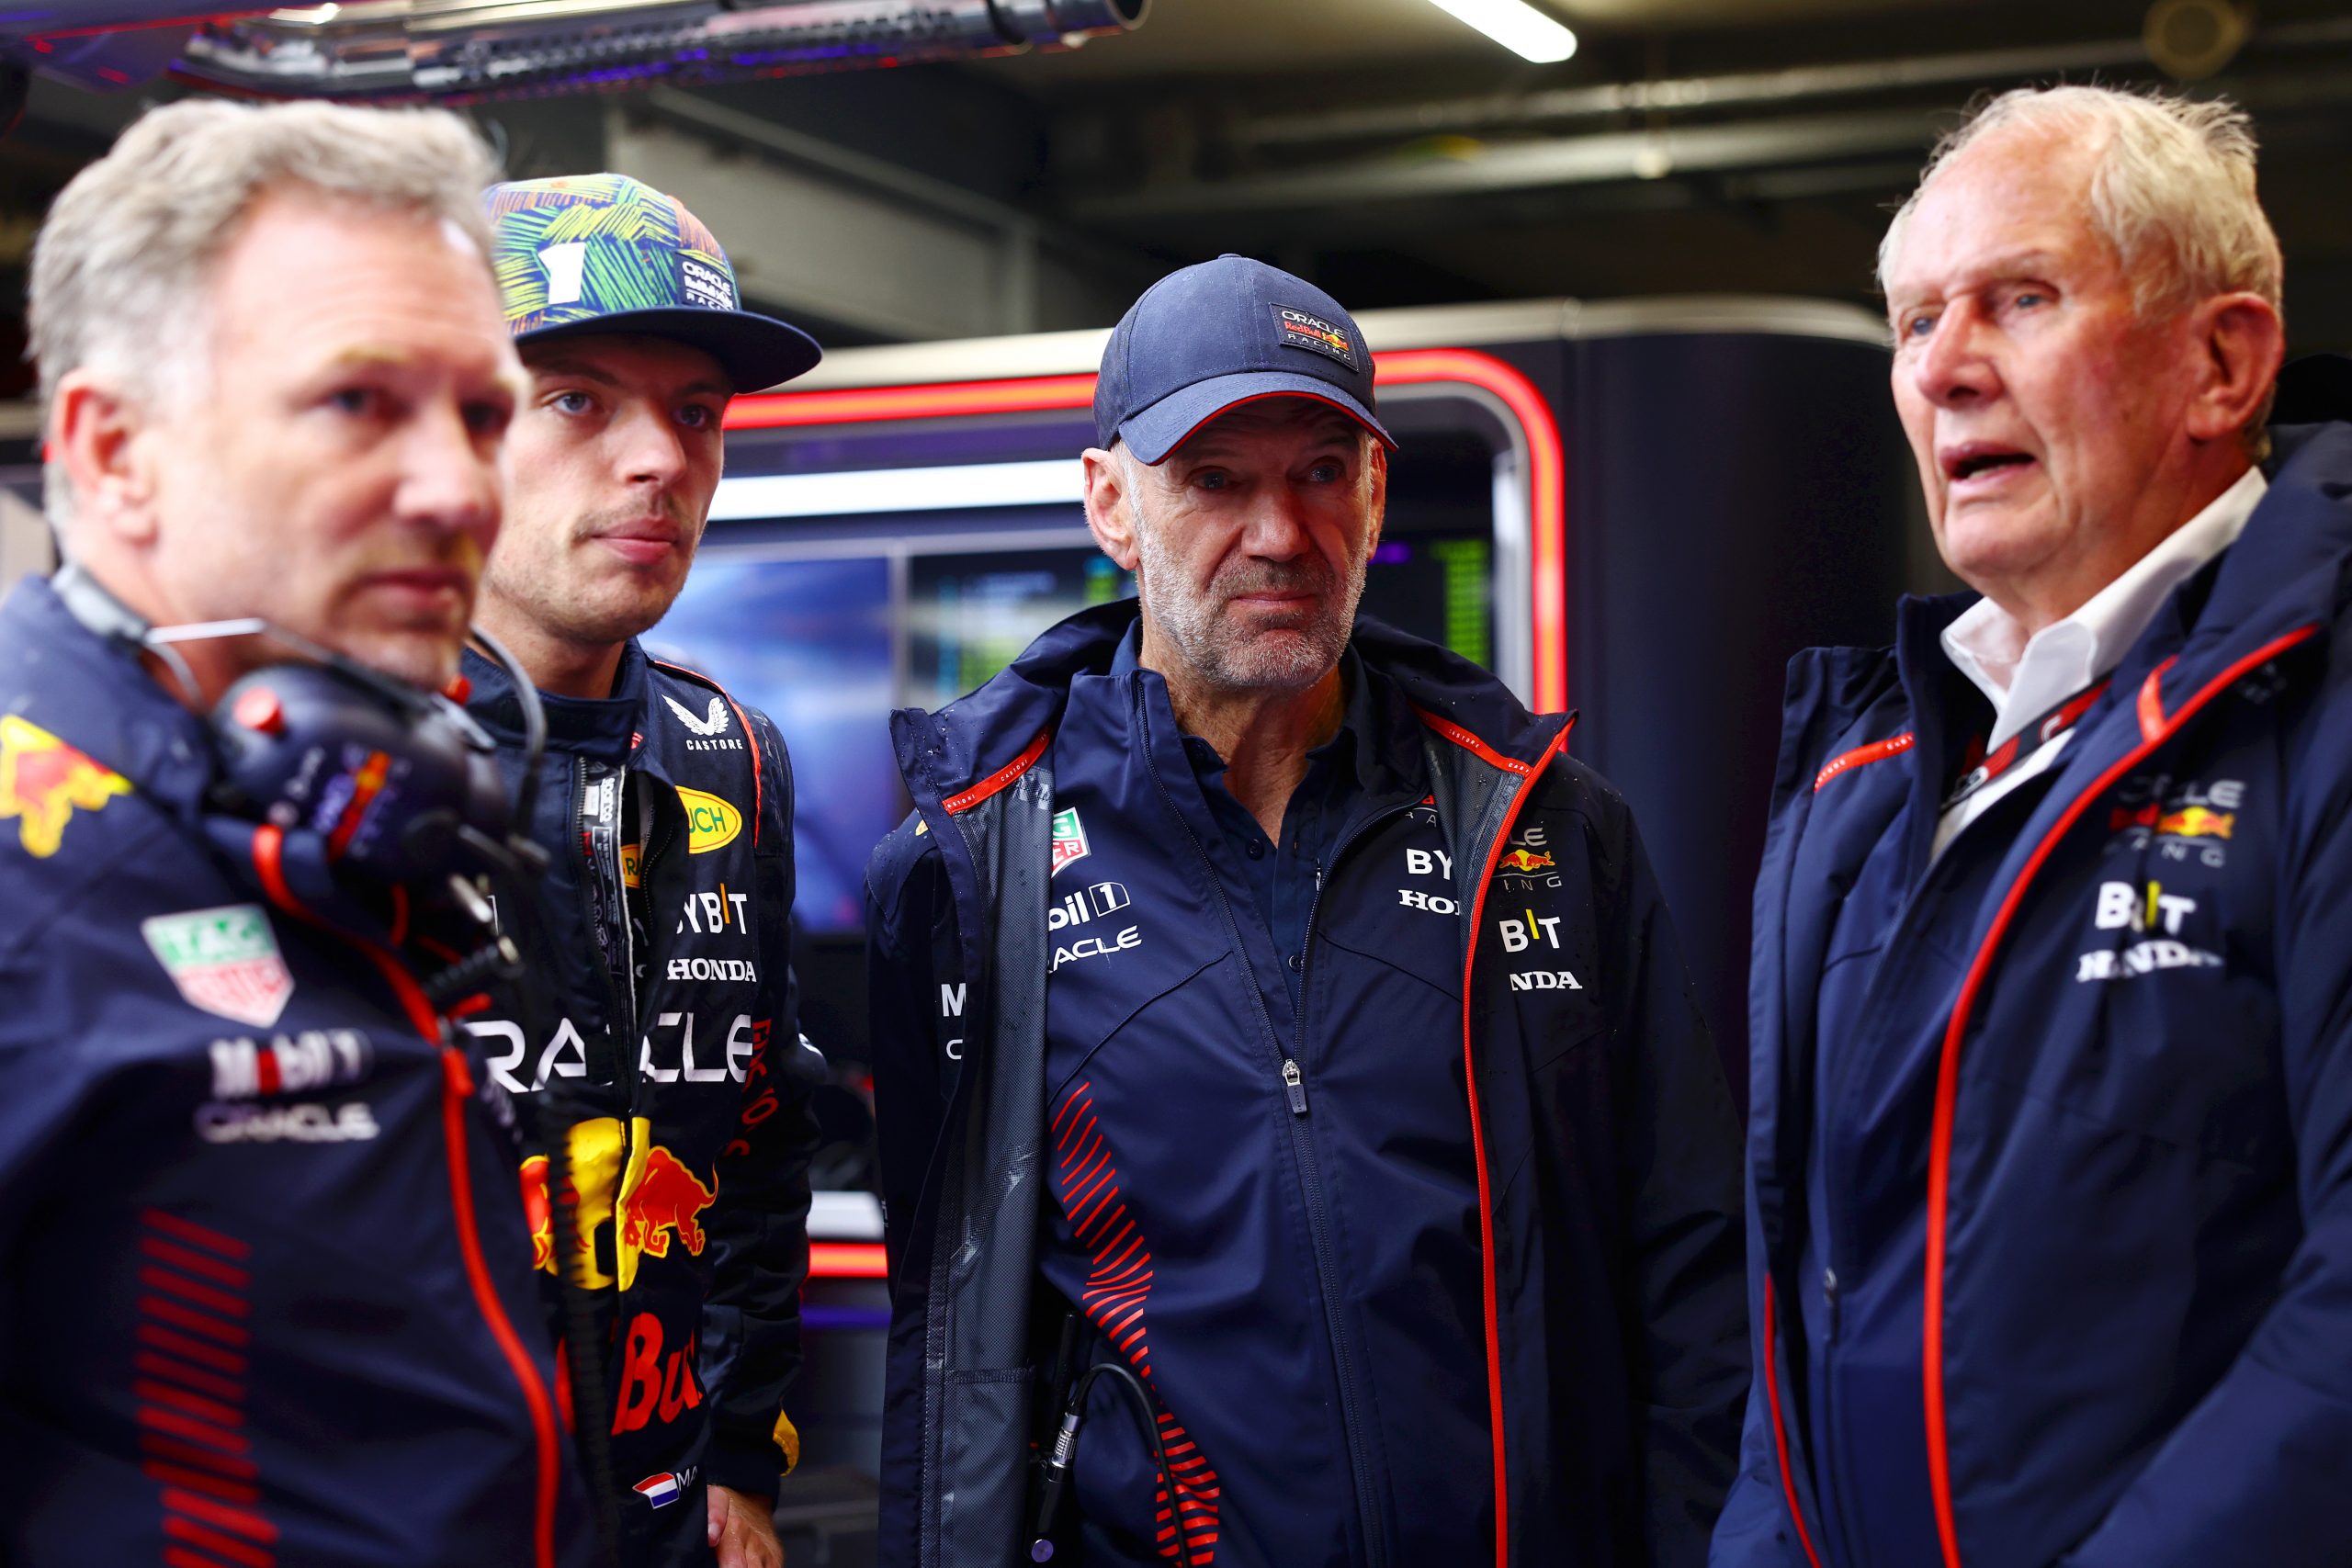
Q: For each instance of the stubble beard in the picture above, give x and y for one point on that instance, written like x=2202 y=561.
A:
x=1221 y=652
x=550 y=593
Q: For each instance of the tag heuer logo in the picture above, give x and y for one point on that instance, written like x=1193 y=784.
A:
x=225 y=961
x=1069 y=838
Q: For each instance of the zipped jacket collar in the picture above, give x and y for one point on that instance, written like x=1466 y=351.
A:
x=602 y=729
x=2285 y=570
x=2284 y=576
x=957 y=749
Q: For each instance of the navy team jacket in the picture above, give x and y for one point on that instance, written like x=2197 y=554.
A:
x=266 y=1287
x=1602 y=1254
x=679 y=1032
x=2127 y=1134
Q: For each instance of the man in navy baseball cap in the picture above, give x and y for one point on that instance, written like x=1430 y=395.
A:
x=1389 y=1187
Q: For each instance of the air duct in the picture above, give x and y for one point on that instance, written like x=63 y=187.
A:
x=460 y=50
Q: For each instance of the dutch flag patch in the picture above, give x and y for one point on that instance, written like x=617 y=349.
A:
x=659 y=1490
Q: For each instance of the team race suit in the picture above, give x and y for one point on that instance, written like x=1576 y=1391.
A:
x=672 y=1042
x=2084 y=1152
x=265 y=1288
x=1384 y=1317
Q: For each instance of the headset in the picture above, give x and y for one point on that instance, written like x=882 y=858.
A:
x=395 y=784
x=378 y=781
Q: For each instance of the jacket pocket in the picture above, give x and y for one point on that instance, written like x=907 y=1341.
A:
x=982 y=1485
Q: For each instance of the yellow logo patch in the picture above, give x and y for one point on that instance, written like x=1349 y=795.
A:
x=2197 y=822
x=711 y=823
x=44 y=781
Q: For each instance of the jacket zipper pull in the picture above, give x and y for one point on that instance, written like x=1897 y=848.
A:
x=1295 y=1085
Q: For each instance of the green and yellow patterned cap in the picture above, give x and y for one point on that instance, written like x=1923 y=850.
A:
x=591 y=254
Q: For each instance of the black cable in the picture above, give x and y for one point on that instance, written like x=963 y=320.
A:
x=535 y=727
x=1058 y=1463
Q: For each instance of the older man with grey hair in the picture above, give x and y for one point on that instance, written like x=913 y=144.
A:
x=2050 y=1168
x=266 y=1283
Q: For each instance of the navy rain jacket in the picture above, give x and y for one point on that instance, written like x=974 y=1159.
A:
x=2130 y=1134
x=1603 y=1142
x=265 y=1288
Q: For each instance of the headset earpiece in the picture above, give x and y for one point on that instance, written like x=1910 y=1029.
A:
x=396 y=784
x=385 y=778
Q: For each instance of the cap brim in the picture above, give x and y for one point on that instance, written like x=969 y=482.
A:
x=756 y=352
x=1152 y=433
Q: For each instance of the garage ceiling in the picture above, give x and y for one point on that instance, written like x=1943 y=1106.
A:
x=1399 y=158
x=1688 y=145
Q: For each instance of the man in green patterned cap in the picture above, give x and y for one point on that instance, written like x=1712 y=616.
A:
x=669 y=1055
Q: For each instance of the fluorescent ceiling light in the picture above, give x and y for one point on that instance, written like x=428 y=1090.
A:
x=953 y=488
x=1515 y=25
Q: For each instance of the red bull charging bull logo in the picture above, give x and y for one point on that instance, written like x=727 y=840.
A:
x=43 y=782
x=664 y=1199
x=661 y=1200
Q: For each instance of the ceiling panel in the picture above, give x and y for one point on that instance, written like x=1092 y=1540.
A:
x=1262 y=38
x=1644 y=15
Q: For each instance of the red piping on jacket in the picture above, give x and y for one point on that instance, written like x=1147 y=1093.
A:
x=1003 y=776
x=749 y=739
x=1780 y=1430
x=2155 y=730
x=2150 y=706
x=1472 y=744
x=1478 y=748
x=1547 y=453
x=268 y=849
x=1872 y=753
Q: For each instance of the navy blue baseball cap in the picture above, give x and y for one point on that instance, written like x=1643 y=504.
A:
x=1225 y=332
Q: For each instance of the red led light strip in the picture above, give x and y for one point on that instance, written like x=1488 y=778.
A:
x=1547 y=459
x=155 y=24
x=848 y=1260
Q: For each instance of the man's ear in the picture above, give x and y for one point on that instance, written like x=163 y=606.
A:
x=2244 y=342
x=1376 y=478
x=102 y=438
x=1110 y=511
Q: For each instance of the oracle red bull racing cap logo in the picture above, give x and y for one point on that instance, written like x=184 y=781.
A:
x=43 y=782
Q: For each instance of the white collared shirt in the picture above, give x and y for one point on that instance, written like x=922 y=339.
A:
x=2026 y=678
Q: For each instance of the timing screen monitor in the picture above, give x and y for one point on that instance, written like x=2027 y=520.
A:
x=970 y=613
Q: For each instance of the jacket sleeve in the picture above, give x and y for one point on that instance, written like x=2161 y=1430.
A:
x=2259 y=1470
x=1680 y=1153
x=759 y=1226
x=919 y=1025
